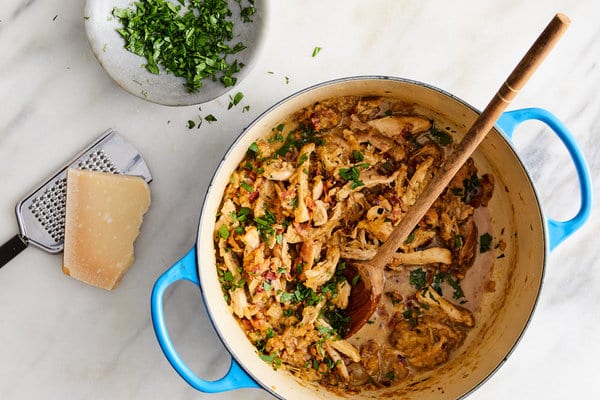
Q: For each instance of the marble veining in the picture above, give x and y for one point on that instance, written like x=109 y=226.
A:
x=61 y=339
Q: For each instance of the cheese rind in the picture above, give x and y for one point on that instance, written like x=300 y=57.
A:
x=104 y=213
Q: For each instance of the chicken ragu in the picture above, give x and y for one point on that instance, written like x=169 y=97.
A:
x=326 y=187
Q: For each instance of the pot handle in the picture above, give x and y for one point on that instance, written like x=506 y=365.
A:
x=185 y=269
x=558 y=230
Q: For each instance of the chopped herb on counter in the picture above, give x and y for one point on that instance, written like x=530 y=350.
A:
x=316 y=51
x=235 y=100
x=210 y=118
x=190 y=40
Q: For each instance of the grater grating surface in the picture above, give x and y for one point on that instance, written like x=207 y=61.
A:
x=41 y=214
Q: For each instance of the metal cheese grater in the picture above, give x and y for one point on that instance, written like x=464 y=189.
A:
x=41 y=214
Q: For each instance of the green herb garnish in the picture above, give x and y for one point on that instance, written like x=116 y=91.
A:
x=235 y=100
x=410 y=238
x=246 y=187
x=440 y=137
x=357 y=156
x=264 y=224
x=296 y=139
x=253 y=149
x=353 y=174
x=223 y=232
x=485 y=241
x=229 y=282
x=418 y=278
x=210 y=118
x=303 y=157
x=190 y=40
x=455 y=284
x=246 y=11
x=316 y=51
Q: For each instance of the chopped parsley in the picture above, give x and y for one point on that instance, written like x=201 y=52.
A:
x=229 y=282
x=246 y=12
x=253 y=150
x=352 y=174
x=272 y=359
x=357 y=156
x=472 y=188
x=485 y=242
x=235 y=100
x=265 y=224
x=454 y=283
x=210 y=118
x=440 y=137
x=418 y=278
x=190 y=40
x=302 y=294
x=246 y=187
x=223 y=232
x=296 y=139
x=242 y=215
x=339 y=320
x=303 y=157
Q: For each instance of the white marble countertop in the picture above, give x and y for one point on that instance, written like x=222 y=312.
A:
x=61 y=339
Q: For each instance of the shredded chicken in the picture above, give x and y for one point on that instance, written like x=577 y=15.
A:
x=427 y=256
x=400 y=125
x=324 y=188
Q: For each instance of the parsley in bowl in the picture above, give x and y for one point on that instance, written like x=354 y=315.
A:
x=176 y=52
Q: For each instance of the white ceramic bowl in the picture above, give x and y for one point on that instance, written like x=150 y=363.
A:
x=127 y=69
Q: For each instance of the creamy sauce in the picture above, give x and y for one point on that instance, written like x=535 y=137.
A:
x=474 y=286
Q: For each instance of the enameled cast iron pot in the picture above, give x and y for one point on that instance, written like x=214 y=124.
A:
x=516 y=218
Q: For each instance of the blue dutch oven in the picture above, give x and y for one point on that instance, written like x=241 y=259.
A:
x=515 y=217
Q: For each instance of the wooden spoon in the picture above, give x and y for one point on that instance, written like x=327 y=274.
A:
x=365 y=295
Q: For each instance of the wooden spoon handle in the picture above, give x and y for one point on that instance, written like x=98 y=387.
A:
x=484 y=123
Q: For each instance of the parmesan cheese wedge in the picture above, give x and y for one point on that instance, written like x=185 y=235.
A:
x=104 y=213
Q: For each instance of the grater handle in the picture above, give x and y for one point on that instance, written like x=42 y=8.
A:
x=12 y=248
